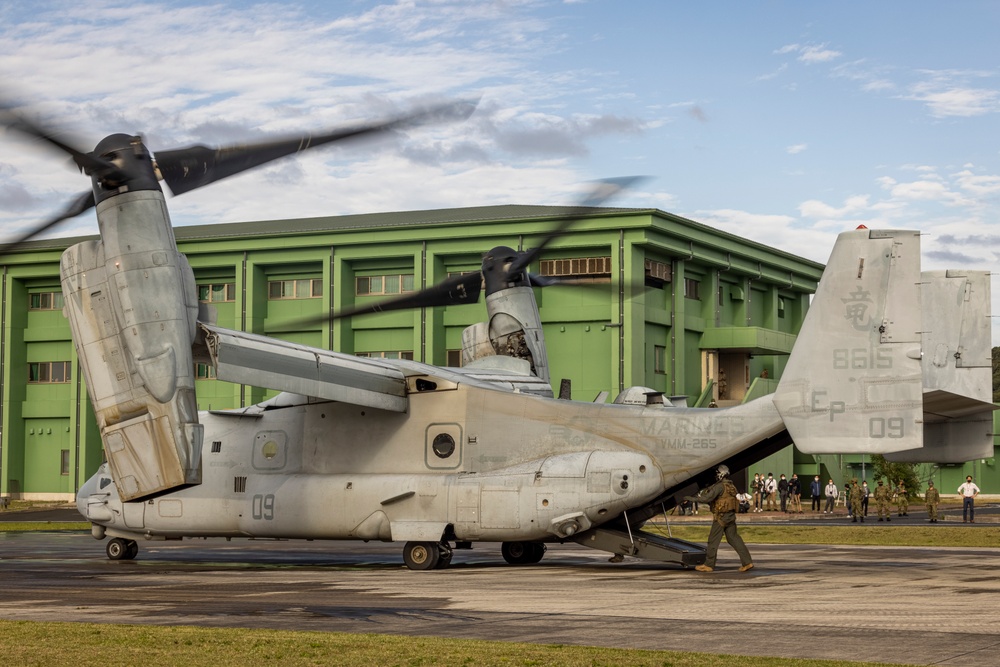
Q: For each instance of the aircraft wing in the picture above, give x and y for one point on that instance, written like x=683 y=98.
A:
x=246 y=358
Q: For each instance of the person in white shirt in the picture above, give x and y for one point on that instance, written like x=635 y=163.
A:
x=770 y=489
x=968 y=491
x=831 y=497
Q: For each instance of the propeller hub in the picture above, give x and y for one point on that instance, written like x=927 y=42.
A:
x=130 y=167
x=496 y=270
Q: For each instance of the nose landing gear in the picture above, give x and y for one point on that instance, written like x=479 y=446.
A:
x=121 y=549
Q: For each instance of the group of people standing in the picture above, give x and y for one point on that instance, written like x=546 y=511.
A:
x=769 y=491
x=722 y=497
x=769 y=494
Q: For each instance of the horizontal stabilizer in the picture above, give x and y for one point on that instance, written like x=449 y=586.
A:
x=274 y=364
x=853 y=380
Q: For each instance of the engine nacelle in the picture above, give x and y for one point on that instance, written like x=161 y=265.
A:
x=131 y=302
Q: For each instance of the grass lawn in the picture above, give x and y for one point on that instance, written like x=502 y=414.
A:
x=85 y=644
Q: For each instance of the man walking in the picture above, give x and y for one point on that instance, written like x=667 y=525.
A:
x=968 y=491
x=722 y=498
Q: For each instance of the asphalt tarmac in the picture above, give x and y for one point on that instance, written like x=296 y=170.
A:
x=925 y=606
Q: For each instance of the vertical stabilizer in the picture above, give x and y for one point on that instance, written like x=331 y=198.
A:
x=957 y=368
x=853 y=382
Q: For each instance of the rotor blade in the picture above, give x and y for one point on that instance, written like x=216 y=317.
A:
x=189 y=168
x=453 y=291
x=85 y=161
x=538 y=280
x=596 y=196
x=82 y=203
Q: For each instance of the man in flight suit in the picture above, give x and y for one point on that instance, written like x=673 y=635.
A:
x=722 y=498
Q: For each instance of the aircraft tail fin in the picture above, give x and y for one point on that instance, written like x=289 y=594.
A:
x=958 y=368
x=853 y=382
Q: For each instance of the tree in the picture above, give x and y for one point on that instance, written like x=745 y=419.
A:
x=893 y=472
x=996 y=374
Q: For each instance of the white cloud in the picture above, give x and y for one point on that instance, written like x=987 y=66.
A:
x=930 y=191
x=220 y=74
x=979 y=186
x=814 y=208
x=956 y=101
x=818 y=54
x=795 y=149
x=950 y=93
x=809 y=53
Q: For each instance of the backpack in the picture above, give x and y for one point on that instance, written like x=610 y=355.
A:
x=727 y=501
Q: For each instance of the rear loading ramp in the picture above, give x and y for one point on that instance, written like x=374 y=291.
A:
x=641 y=544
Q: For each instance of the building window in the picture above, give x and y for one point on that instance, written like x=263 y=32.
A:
x=658 y=273
x=204 y=372
x=691 y=288
x=389 y=354
x=303 y=288
x=64 y=462
x=45 y=301
x=49 y=372
x=217 y=292
x=385 y=284
x=660 y=359
x=578 y=266
x=454 y=358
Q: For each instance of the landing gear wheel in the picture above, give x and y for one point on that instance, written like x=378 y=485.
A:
x=522 y=553
x=122 y=549
x=537 y=551
x=421 y=555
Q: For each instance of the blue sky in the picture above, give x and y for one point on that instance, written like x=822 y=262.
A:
x=784 y=122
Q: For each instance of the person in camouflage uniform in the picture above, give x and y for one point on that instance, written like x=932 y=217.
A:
x=932 y=498
x=856 y=498
x=902 y=500
x=882 y=497
x=722 y=498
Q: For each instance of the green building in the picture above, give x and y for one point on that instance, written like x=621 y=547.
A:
x=662 y=302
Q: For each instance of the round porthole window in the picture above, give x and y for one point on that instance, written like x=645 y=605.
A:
x=270 y=449
x=443 y=445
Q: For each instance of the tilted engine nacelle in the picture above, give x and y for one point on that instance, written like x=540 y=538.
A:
x=514 y=330
x=132 y=305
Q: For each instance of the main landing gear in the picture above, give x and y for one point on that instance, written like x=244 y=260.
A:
x=437 y=555
x=121 y=549
x=427 y=555
x=522 y=553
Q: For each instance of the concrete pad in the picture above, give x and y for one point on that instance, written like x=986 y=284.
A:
x=891 y=604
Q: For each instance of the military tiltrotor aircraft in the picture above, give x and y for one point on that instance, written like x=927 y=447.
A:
x=441 y=458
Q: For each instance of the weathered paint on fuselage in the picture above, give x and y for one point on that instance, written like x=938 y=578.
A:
x=523 y=467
